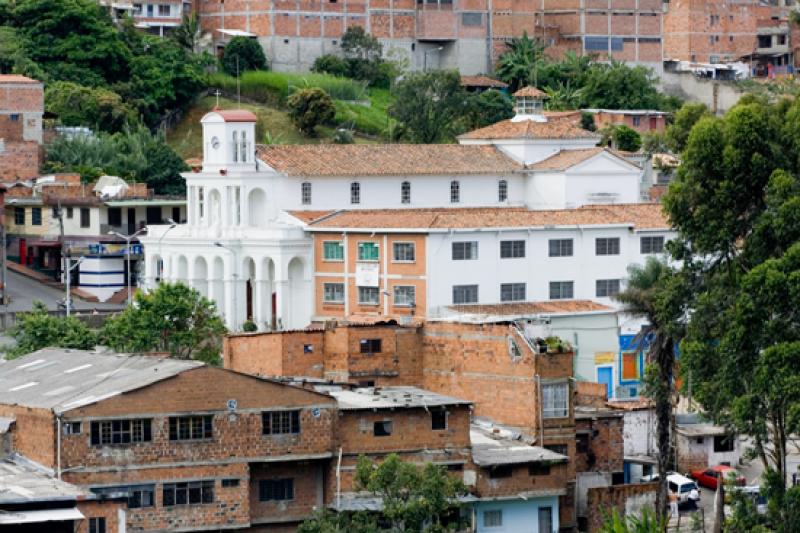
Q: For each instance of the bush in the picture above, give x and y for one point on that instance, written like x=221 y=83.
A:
x=309 y=108
x=587 y=121
x=343 y=136
x=331 y=64
x=249 y=326
x=242 y=54
x=97 y=108
x=275 y=87
x=489 y=107
x=621 y=137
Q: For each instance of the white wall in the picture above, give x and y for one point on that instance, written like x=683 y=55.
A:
x=639 y=432
x=72 y=226
x=102 y=276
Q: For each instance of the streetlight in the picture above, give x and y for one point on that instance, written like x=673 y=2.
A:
x=235 y=276
x=172 y=225
x=128 y=239
x=68 y=301
x=425 y=57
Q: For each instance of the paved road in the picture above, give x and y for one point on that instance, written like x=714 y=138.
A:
x=23 y=291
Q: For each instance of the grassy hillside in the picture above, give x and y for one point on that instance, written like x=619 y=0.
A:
x=186 y=138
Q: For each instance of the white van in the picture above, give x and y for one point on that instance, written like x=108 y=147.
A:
x=685 y=488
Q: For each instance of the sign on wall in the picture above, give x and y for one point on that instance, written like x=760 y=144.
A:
x=367 y=275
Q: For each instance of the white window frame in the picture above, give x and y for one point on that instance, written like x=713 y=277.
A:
x=413 y=252
x=512 y=248
x=495 y=521
x=560 y=247
x=462 y=287
x=555 y=400
x=513 y=287
x=413 y=290
x=650 y=239
x=329 y=260
x=502 y=190
x=561 y=290
x=608 y=246
x=606 y=283
x=377 y=295
x=472 y=246
x=325 y=293
x=358 y=251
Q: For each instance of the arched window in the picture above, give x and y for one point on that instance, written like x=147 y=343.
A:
x=235 y=146
x=305 y=194
x=502 y=191
x=244 y=147
x=405 y=192
x=355 y=193
x=455 y=192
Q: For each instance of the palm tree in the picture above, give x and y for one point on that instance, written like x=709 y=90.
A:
x=518 y=64
x=653 y=293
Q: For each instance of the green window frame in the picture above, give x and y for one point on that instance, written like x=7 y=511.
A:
x=368 y=251
x=332 y=251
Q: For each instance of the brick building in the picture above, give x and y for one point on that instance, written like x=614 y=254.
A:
x=191 y=446
x=642 y=120
x=464 y=34
x=21 y=110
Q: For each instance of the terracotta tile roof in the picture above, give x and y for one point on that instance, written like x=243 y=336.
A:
x=482 y=81
x=531 y=92
x=16 y=78
x=565 y=159
x=236 y=115
x=641 y=216
x=309 y=216
x=386 y=159
x=529 y=129
x=533 y=308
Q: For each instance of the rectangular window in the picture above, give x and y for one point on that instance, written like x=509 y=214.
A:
x=56 y=212
x=502 y=191
x=176 y=213
x=368 y=295
x=191 y=427
x=606 y=246
x=305 y=193
x=512 y=249
x=545 y=519
x=124 y=431
x=438 y=420
x=403 y=252
x=605 y=288
x=280 y=422
x=153 y=214
x=465 y=250
x=368 y=251
x=512 y=292
x=188 y=493
x=163 y=10
x=723 y=443
x=139 y=496
x=69 y=212
x=36 y=216
x=465 y=294
x=355 y=193
x=555 y=400
x=501 y=471
x=85 y=217
x=595 y=44
x=651 y=245
x=539 y=469
x=276 y=490
x=370 y=346
x=455 y=192
x=562 y=290
x=637 y=121
x=114 y=216
x=19 y=216
x=630 y=366
x=230 y=483
x=493 y=518
x=382 y=428
x=558 y=448
x=332 y=251
x=405 y=192
x=560 y=247
x=472 y=19
x=405 y=295
x=333 y=293
x=97 y=525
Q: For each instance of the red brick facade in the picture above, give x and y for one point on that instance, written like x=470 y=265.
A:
x=21 y=109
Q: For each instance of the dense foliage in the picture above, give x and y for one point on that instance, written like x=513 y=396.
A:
x=39 y=329
x=621 y=137
x=242 y=54
x=419 y=498
x=577 y=82
x=174 y=319
x=363 y=60
x=309 y=108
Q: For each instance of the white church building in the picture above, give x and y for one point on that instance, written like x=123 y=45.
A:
x=257 y=242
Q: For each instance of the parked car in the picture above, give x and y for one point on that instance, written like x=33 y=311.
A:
x=710 y=476
x=753 y=493
x=685 y=488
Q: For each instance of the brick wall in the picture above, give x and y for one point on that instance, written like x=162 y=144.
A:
x=520 y=480
x=33 y=434
x=308 y=479
x=604 y=437
x=21 y=97
x=108 y=509
x=626 y=499
x=275 y=354
x=20 y=160
x=590 y=394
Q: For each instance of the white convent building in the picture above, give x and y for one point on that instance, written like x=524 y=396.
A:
x=255 y=211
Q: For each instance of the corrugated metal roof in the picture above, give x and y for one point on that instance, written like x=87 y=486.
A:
x=496 y=446
x=388 y=398
x=62 y=379
x=37 y=517
x=23 y=481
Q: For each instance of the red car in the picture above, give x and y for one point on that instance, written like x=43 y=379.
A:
x=710 y=476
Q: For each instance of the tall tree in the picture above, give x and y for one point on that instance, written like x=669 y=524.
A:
x=39 y=329
x=654 y=292
x=686 y=117
x=517 y=65
x=430 y=105
x=241 y=54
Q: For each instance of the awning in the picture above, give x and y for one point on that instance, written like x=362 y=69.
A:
x=236 y=33
x=32 y=517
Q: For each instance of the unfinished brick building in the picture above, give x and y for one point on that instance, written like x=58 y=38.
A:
x=463 y=34
x=21 y=110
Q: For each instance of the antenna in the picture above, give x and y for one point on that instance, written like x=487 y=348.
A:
x=238 y=89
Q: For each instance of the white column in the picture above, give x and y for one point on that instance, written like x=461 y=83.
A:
x=384 y=275
x=281 y=288
x=260 y=304
x=226 y=212
x=245 y=205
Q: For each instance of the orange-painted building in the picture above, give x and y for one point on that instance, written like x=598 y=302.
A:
x=378 y=274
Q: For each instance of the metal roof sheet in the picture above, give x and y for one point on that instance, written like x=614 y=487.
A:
x=388 y=398
x=495 y=446
x=23 y=481
x=62 y=379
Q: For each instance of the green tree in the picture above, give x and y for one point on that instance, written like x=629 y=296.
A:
x=357 y=43
x=309 y=108
x=39 y=329
x=654 y=142
x=615 y=85
x=187 y=34
x=430 y=105
x=241 y=54
x=331 y=64
x=686 y=117
x=97 y=108
x=587 y=121
x=489 y=107
x=654 y=292
x=174 y=318
x=518 y=64
x=621 y=137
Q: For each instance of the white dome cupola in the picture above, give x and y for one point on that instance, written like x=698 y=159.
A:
x=529 y=104
x=229 y=138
